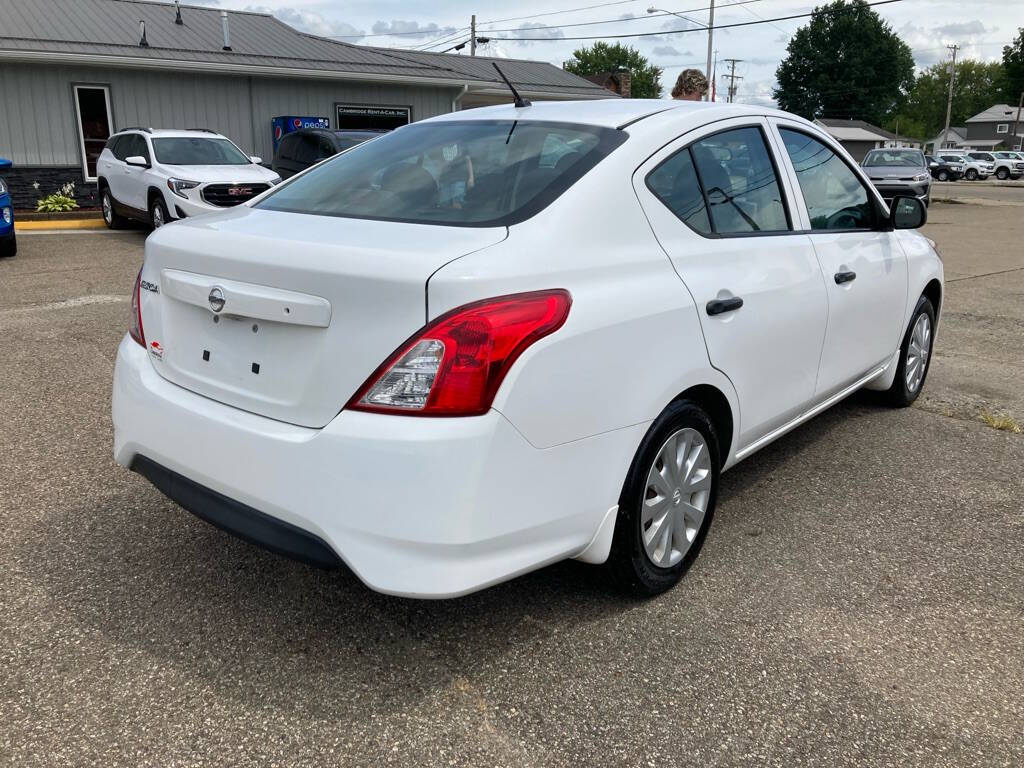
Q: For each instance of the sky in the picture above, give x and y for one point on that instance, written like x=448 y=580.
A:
x=980 y=27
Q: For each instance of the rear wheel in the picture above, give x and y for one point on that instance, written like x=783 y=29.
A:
x=667 y=501
x=111 y=218
x=915 y=356
x=972 y=175
x=8 y=246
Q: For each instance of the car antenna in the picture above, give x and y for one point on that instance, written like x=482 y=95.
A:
x=519 y=100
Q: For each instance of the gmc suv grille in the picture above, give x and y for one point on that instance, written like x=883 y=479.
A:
x=226 y=195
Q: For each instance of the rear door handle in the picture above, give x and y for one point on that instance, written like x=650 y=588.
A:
x=718 y=306
x=845 y=277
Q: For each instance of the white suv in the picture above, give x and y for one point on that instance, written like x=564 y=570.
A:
x=158 y=175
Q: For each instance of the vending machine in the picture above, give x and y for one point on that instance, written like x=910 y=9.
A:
x=288 y=123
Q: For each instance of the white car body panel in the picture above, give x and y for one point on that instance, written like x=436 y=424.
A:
x=436 y=507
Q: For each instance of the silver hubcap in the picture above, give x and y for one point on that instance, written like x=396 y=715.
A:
x=158 y=216
x=917 y=352
x=107 y=209
x=676 y=497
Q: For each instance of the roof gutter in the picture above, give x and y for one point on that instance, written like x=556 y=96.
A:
x=457 y=101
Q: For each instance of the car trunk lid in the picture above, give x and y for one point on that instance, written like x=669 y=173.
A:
x=284 y=314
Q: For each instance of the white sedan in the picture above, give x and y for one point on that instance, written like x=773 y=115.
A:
x=504 y=337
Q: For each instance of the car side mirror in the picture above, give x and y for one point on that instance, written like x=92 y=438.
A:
x=5 y=163
x=907 y=213
x=256 y=159
x=137 y=160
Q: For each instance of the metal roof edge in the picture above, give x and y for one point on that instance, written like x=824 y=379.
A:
x=52 y=57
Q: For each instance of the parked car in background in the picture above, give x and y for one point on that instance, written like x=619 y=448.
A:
x=974 y=169
x=899 y=172
x=1008 y=165
x=945 y=170
x=429 y=359
x=301 y=149
x=157 y=175
x=8 y=241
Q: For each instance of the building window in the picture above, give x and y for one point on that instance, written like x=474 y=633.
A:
x=1003 y=128
x=92 y=112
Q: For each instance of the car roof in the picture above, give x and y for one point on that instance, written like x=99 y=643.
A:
x=607 y=113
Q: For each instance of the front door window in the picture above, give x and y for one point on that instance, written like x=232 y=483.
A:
x=92 y=109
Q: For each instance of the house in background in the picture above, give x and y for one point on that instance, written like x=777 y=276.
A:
x=859 y=137
x=993 y=129
x=955 y=139
x=74 y=71
x=618 y=83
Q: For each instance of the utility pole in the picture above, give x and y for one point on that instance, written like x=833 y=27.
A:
x=472 y=35
x=1017 y=143
x=711 y=40
x=732 y=77
x=949 y=100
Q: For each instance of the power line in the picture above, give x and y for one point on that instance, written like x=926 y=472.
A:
x=589 y=7
x=680 y=31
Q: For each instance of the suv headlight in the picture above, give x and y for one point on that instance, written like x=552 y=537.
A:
x=922 y=177
x=3 y=187
x=179 y=186
x=274 y=181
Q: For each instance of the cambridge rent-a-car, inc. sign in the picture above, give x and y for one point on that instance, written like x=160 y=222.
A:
x=366 y=116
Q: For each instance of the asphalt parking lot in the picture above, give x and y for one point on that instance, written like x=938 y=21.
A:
x=860 y=600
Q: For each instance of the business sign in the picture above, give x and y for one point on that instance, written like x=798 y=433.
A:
x=371 y=117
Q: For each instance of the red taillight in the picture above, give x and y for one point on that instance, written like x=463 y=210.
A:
x=135 y=329
x=454 y=366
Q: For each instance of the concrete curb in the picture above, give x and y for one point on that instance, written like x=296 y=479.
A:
x=58 y=224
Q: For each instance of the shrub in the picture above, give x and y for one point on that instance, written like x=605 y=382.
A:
x=56 y=204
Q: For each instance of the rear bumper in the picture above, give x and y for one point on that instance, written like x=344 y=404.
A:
x=415 y=507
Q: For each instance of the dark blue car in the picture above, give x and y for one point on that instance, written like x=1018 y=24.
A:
x=8 y=245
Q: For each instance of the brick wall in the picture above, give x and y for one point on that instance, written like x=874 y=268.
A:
x=24 y=193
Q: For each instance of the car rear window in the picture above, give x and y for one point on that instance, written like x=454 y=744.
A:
x=455 y=173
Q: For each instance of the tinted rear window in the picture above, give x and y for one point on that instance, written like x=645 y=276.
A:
x=473 y=173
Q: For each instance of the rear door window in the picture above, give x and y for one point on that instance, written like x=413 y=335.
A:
x=674 y=182
x=457 y=173
x=740 y=183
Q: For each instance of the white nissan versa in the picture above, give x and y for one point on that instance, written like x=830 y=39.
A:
x=503 y=337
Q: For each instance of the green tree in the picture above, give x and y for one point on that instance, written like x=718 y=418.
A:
x=977 y=86
x=1013 y=64
x=846 y=62
x=645 y=78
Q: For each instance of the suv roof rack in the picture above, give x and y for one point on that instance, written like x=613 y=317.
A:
x=204 y=130
x=135 y=128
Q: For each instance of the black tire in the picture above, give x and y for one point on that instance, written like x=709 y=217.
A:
x=943 y=176
x=628 y=562
x=900 y=394
x=111 y=217
x=1002 y=174
x=8 y=246
x=971 y=175
x=157 y=209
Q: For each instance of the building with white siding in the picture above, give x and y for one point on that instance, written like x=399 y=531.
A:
x=74 y=71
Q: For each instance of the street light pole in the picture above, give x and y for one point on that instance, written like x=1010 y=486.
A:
x=709 y=28
x=711 y=36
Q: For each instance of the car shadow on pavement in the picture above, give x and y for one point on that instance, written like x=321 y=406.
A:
x=154 y=579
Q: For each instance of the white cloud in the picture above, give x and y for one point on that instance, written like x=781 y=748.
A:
x=310 y=21
x=410 y=29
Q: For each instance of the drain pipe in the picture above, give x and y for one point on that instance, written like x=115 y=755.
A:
x=457 y=101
